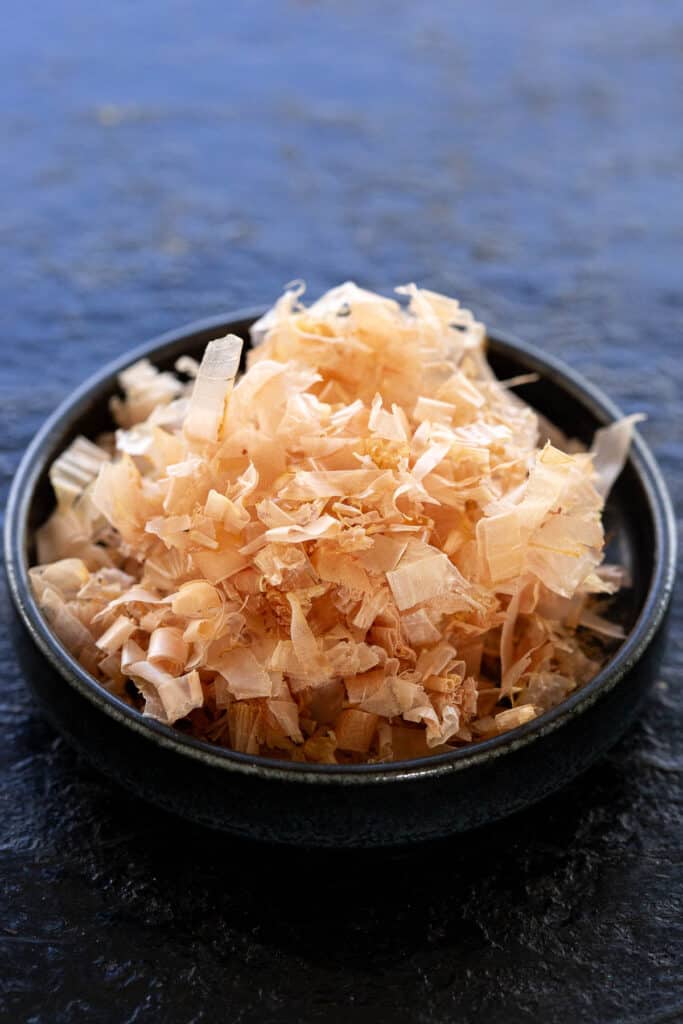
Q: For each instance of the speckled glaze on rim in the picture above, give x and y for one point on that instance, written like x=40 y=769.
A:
x=318 y=825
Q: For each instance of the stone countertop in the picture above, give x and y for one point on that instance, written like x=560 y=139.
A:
x=166 y=161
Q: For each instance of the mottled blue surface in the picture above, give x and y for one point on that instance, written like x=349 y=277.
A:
x=165 y=161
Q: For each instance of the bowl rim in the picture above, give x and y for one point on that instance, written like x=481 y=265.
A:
x=165 y=345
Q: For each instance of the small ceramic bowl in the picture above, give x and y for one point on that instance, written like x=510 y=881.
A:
x=363 y=805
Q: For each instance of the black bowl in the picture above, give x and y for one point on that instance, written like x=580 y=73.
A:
x=363 y=805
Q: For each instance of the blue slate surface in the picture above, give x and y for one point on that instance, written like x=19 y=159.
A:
x=166 y=161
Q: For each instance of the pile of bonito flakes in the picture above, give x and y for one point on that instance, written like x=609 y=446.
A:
x=358 y=550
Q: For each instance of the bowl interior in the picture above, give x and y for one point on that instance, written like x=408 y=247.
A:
x=576 y=408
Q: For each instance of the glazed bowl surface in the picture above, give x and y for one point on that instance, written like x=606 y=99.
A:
x=360 y=805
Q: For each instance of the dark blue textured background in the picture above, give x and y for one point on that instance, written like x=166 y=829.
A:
x=165 y=161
